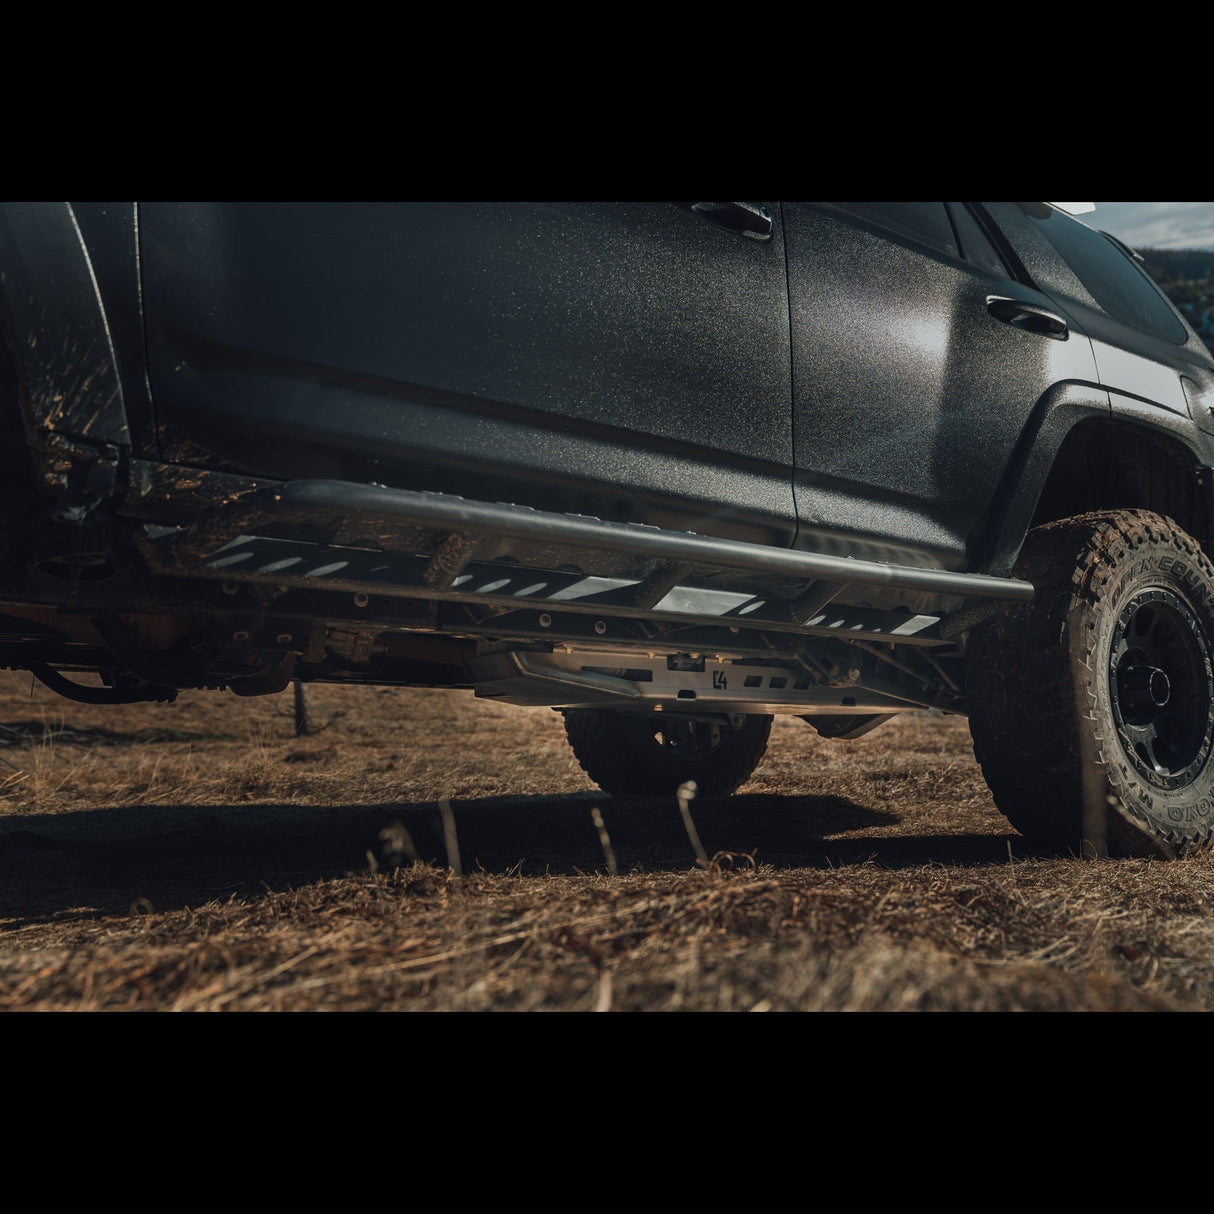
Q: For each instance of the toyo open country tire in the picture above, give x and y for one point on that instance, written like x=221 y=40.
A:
x=1092 y=708
x=627 y=753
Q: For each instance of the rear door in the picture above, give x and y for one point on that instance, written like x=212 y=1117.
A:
x=627 y=360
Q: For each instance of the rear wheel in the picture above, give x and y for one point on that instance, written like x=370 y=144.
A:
x=1092 y=708
x=631 y=753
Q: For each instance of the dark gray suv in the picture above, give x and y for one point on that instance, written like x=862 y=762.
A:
x=669 y=468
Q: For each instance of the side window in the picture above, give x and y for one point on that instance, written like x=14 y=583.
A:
x=976 y=247
x=926 y=222
x=1114 y=281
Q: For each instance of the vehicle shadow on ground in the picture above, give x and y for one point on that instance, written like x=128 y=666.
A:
x=163 y=857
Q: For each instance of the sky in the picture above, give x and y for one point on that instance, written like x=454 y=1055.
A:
x=1156 y=225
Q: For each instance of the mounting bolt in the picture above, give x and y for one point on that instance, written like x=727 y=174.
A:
x=360 y=599
x=284 y=638
x=240 y=636
x=545 y=620
x=230 y=587
x=657 y=708
x=600 y=627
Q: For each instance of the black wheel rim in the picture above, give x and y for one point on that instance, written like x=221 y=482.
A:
x=1162 y=688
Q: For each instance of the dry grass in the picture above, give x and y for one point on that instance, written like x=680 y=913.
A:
x=200 y=857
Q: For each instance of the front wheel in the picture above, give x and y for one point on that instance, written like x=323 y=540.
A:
x=1092 y=708
x=627 y=753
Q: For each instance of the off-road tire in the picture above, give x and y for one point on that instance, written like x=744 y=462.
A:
x=1092 y=707
x=627 y=754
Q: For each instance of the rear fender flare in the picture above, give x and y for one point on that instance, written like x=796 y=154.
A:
x=55 y=328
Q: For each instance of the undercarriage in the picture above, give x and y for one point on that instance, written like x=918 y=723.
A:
x=329 y=582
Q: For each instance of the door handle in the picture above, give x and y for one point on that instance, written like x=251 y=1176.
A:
x=746 y=218
x=1031 y=317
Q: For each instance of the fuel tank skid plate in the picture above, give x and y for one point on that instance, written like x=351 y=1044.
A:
x=651 y=683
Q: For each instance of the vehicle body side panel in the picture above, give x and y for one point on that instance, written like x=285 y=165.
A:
x=57 y=326
x=626 y=360
x=910 y=397
x=1131 y=362
x=110 y=238
x=1058 y=412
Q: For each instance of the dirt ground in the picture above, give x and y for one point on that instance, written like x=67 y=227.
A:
x=428 y=851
